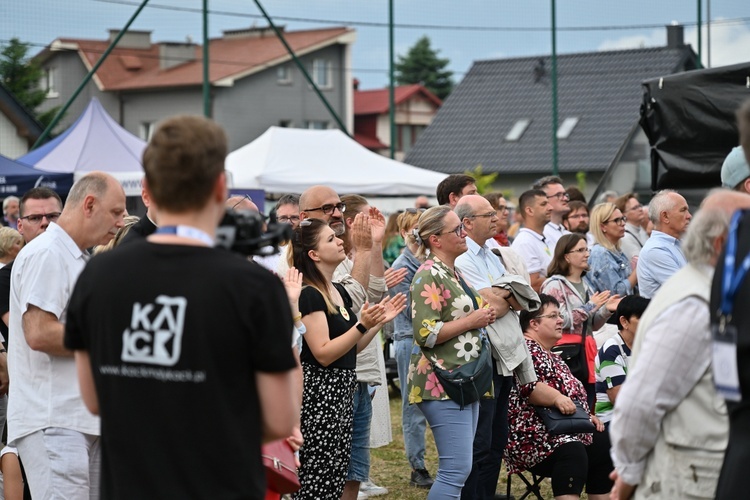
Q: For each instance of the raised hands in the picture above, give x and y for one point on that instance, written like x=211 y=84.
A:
x=600 y=298
x=394 y=276
x=385 y=311
x=361 y=234
x=377 y=226
x=613 y=302
x=293 y=285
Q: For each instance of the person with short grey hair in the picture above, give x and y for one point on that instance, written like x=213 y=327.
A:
x=11 y=211
x=662 y=256
x=668 y=415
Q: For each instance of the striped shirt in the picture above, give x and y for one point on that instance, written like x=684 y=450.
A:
x=611 y=368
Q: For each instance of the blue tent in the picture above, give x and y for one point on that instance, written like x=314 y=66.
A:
x=17 y=178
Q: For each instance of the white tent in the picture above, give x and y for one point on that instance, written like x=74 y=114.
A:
x=94 y=142
x=288 y=160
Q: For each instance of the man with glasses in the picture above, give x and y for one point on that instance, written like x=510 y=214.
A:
x=577 y=220
x=482 y=269
x=662 y=255
x=530 y=243
x=287 y=210
x=558 y=200
x=635 y=236
x=364 y=280
x=56 y=435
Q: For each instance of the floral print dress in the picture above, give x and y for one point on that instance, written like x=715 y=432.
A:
x=529 y=443
x=438 y=297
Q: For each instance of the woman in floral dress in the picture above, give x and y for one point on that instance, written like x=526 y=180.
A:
x=565 y=458
x=446 y=317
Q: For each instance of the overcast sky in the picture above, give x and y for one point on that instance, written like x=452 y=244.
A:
x=463 y=31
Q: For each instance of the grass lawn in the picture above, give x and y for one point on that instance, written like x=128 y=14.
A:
x=391 y=469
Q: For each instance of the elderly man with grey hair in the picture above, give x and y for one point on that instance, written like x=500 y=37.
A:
x=11 y=211
x=662 y=256
x=668 y=417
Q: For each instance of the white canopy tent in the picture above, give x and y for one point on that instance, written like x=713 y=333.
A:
x=288 y=160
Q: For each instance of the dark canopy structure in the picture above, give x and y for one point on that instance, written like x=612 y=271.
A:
x=689 y=119
x=17 y=178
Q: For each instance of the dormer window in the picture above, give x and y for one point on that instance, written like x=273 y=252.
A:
x=517 y=131
x=567 y=127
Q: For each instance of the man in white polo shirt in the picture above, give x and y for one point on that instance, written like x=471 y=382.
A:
x=530 y=243
x=558 y=200
x=56 y=436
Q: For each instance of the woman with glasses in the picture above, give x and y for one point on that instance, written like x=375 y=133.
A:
x=329 y=352
x=447 y=315
x=610 y=269
x=583 y=310
x=565 y=458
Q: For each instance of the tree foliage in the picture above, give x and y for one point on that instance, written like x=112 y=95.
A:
x=21 y=75
x=421 y=64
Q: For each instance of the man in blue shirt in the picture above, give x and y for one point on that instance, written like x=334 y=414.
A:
x=662 y=256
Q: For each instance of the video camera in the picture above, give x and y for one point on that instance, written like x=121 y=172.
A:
x=242 y=232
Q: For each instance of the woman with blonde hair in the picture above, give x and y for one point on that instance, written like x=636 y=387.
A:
x=609 y=266
x=11 y=242
x=448 y=318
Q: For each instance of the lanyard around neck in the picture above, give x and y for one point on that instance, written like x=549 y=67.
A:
x=187 y=232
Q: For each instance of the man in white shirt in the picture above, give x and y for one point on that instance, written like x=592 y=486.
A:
x=530 y=243
x=558 y=200
x=56 y=436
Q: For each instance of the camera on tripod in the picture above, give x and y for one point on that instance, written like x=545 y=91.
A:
x=242 y=232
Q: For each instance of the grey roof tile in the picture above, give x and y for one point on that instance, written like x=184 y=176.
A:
x=602 y=89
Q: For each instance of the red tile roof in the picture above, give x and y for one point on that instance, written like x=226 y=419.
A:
x=233 y=57
x=369 y=102
x=369 y=142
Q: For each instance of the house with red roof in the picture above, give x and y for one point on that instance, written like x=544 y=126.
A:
x=254 y=82
x=415 y=108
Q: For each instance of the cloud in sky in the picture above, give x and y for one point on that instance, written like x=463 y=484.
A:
x=730 y=43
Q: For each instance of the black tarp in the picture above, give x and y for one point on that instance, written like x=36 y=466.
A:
x=689 y=119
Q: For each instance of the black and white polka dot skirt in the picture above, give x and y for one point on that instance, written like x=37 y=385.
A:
x=327 y=415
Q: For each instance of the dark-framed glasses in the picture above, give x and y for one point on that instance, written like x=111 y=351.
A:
x=457 y=231
x=288 y=219
x=328 y=209
x=37 y=218
x=562 y=195
x=618 y=220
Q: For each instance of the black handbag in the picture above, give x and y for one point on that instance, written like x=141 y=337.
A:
x=574 y=356
x=558 y=423
x=470 y=381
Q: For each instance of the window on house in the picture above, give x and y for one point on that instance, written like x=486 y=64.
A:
x=516 y=132
x=315 y=124
x=321 y=73
x=284 y=74
x=146 y=129
x=48 y=82
x=406 y=136
x=567 y=127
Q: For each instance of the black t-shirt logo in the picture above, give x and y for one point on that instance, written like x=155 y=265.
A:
x=156 y=341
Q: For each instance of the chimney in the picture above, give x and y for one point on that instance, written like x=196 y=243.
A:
x=132 y=39
x=175 y=53
x=355 y=83
x=675 y=36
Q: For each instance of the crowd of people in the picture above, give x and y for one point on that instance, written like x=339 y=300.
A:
x=159 y=367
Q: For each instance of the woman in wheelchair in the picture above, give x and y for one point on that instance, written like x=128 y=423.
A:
x=570 y=460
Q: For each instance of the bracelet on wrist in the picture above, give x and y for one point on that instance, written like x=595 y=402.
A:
x=297 y=318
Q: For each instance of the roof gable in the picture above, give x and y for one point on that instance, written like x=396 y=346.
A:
x=231 y=58
x=368 y=102
x=601 y=89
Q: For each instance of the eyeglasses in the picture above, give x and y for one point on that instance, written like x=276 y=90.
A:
x=246 y=197
x=562 y=195
x=502 y=208
x=578 y=216
x=459 y=229
x=287 y=219
x=551 y=316
x=37 y=218
x=488 y=214
x=618 y=220
x=328 y=209
x=637 y=207
x=581 y=250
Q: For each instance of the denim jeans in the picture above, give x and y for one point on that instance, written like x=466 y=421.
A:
x=61 y=463
x=489 y=442
x=454 y=430
x=413 y=422
x=359 y=466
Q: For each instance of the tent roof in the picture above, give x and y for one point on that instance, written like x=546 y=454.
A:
x=287 y=160
x=94 y=142
x=17 y=178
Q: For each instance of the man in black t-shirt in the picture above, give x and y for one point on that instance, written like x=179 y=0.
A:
x=183 y=349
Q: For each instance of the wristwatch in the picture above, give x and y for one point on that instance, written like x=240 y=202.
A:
x=362 y=328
